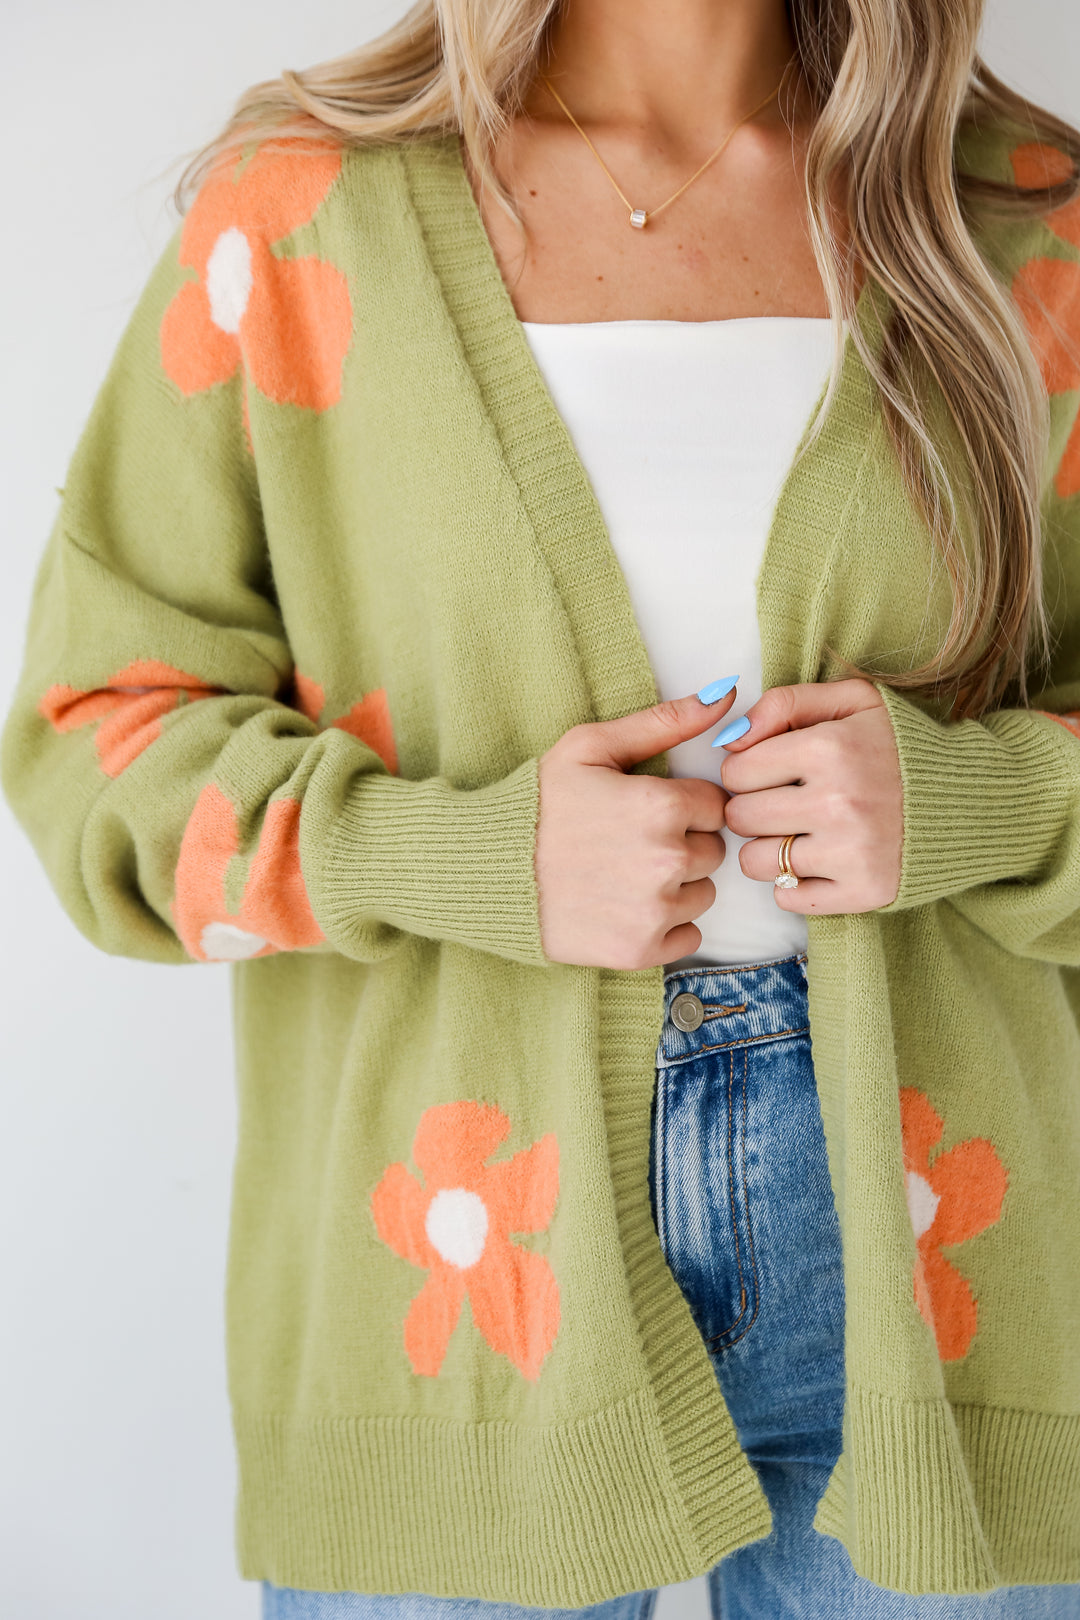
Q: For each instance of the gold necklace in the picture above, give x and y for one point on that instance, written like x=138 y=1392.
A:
x=640 y=217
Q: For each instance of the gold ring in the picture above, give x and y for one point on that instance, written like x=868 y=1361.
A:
x=785 y=877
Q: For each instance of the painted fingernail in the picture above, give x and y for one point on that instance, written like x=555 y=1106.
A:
x=731 y=733
x=717 y=689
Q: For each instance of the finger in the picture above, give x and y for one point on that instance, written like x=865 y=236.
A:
x=681 y=941
x=760 y=858
x=814 y=896
x=632 y=738
x=770 y=812
x=691 y=900
x=793 y=708
x=774 y=762
x=707 y=850
x=703 y=802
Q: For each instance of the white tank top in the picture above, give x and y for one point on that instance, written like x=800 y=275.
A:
x=687 y=430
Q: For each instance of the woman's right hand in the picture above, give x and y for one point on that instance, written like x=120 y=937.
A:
x=622 y=861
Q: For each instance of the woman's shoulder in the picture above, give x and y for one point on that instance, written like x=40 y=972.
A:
x=1035 y=253
x=341 y=200
x=279 y=186
x=281 y=244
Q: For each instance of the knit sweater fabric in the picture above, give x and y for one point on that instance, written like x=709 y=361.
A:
x=326 y=580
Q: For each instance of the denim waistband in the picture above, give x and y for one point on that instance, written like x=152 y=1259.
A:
x=756 y=1002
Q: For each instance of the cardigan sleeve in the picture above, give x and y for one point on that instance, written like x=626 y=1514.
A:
x=992 y=821
x=183 y=804
x=992 y=807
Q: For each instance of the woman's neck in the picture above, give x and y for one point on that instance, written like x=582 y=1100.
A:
x=658 y=85
x=677 y=72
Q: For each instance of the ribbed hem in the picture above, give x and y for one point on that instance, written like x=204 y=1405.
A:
x=1025 y=1468
x=983 y=800
x=919 y=1521
x=558 y=1517
x=444 y=862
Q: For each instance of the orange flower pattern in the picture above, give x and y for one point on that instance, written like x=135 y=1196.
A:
x=287 y=321
x=368 y=720
x=457 y=1225
x=957 y=1196
x=275 y=912
x=129 y=706
x=1071 y=720
x=1047 y=292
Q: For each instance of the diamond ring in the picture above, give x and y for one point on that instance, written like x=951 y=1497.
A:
x=785 y=877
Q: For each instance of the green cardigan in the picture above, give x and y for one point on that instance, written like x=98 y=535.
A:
x=326 y=579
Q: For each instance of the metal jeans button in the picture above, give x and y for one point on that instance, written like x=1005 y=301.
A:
x=687 y=1011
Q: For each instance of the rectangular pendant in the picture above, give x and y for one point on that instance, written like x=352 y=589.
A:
x=638 y=217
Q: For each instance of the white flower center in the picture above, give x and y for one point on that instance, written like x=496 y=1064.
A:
x=457 y=1225
x=224 y=942
x=922 y=1202
x=228 y=279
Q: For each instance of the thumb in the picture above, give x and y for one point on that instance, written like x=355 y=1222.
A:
x=647 y=732
x=793 y=708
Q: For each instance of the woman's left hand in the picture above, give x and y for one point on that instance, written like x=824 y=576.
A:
x=820 y=761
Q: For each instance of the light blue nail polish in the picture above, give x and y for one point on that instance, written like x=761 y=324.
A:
x=731 y=733
x=718 y=689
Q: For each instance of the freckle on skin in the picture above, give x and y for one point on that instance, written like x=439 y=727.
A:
x=532 y=193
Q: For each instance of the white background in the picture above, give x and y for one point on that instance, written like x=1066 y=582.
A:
x=116 y=1465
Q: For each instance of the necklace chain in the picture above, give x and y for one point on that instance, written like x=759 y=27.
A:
x=639 y=217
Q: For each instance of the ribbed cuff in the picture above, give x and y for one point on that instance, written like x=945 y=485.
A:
x=433 y=859
x=984 y=801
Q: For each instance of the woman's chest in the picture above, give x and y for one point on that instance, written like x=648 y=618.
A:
x=734 y=244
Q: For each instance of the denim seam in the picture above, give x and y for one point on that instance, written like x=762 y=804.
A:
x=743 y=1296
x=727 y=1046
x=713 y=1337
x=660 y=1140
x=749 y=1222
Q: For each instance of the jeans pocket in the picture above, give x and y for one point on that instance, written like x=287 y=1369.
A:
x=699 y=1187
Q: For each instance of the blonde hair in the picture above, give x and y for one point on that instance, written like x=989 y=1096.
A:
x=890 y=83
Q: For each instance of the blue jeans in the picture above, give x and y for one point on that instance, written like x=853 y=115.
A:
x=744 y=1209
